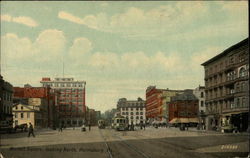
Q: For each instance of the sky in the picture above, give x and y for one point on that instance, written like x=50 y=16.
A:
x=118 y=48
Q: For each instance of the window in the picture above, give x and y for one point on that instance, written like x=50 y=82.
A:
x=22 y=107
x=16 y=107
x=68 y=85
x=141 y=113
x=28 y=115
x=131 y=117
x=202 y=95
x=141 y=117
x=137 y=117
x=126 y=113
x=21 y=115
x=202 y=103
x=131 y=113
x=243 y=86
x=137 y=113
x=16 y=115
x=243 y=102
x=123 y=113
x=238 y=102
x=242 y=72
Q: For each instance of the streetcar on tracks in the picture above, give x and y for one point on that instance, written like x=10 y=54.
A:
x=101 y=124
x=120 y=123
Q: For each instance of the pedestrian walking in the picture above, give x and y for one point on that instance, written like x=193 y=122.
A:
x=31 y=130
x=60 y=127
x=89 y=126
x=144 y=126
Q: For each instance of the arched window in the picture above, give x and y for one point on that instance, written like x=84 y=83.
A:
x=131 y=117
x=242 y=72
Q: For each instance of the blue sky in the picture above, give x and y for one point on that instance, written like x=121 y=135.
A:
x=118 y=48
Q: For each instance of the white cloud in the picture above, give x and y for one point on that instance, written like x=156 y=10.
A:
x=28 y=21
x=48 y=46
x=80 y=51
x=139 y=22
x=50 y=42
x=25 y=21
x=104 y=60
x=6 y=17
x=67 y=16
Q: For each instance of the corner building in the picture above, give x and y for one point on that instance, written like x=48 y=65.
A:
x=134 y=110
x=157 y=103
x=71 y=109
x=227 y=87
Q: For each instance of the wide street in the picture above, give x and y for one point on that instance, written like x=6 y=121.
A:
x=108 y=143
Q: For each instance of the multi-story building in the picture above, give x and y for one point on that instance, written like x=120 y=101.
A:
x=134 y=110
x=71 y=106
x=199 y=92
x=39 y=100
x=184 y=105
x=6 y=101
x=157 y=103
x=227 y=87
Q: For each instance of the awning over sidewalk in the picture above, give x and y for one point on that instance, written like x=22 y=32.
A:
x=184 y=120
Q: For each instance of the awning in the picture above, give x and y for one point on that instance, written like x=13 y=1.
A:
x=233 y=113
x=184 y=120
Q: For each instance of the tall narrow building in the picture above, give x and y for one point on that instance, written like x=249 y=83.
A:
x=71 y=109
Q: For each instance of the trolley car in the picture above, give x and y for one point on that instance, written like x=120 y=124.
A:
x=101 y=124
x=120 y=123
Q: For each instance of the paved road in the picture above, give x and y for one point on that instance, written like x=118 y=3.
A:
x=106 y=143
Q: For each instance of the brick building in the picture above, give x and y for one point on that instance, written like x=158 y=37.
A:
x=71 y=107
x=157 y=103
x=184 y=106
x=227 y=87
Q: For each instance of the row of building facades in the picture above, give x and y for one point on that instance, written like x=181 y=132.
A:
x=57 y=102
x=222 y=101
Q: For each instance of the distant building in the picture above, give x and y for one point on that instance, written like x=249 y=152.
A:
x=6 y=101
x=227 y=87
x=134 y=110
x=199 y=92
x=39 y=100
x=71 y=105
x=157 y=103
x=184 y=105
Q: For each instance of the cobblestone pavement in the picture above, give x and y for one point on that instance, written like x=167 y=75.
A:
x=153 y=143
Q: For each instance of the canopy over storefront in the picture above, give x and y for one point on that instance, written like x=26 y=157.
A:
x=184 y=120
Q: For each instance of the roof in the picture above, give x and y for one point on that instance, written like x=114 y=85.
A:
x=33 y=92
x=187 y=95
x=225 y=52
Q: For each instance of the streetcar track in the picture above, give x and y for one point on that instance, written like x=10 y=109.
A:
x=125 y=144
x=107 y=146
x=132 y=147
